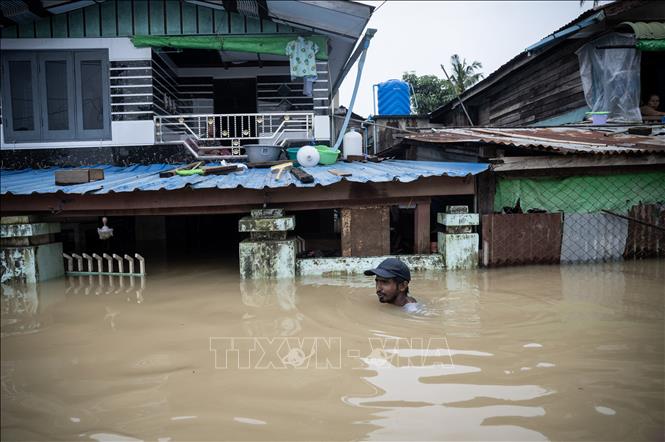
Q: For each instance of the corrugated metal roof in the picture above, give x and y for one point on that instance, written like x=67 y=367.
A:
x=563 y=140
x=647 y=30
x=146 y=177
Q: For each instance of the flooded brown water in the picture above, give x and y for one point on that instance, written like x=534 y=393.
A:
x=531 y=353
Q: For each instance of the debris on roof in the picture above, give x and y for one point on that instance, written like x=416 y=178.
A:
x=561 y=140
x=147 y=177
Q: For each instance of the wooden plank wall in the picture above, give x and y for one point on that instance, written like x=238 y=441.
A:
x=548 y=86
x=124 y=18
x=366 y=231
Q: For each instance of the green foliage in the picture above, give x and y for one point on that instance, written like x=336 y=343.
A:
x=430 y=92
x=464 y=75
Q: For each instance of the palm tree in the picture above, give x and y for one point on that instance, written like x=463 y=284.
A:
x=464 y=75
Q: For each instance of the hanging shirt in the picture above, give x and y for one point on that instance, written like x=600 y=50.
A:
x=302 y=57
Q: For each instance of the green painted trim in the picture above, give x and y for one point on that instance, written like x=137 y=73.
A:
x=269 y=26
x=75 y=24
x=253 y=25
x=157 y=17
x=237 y=23
x=26 y=30
x=173 y=17
x=205 y=20
x=125 y=18
x=10 y=32
x=59 y=26
x=189 y=19
x=109 y=19
x=141 y=20
x=221 y=22
x=92 y=18
x=43 y=29
x=75 y=19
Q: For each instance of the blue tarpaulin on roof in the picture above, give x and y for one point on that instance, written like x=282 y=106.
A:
x=146 y=177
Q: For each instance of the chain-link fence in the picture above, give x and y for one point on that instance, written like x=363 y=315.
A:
x=575 y=219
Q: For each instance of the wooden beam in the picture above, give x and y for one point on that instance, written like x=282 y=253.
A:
x=225 y=210
x=509 y=164
x=342 y=194
x=421 y=223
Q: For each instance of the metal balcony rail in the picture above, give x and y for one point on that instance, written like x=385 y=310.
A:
x=232 y=131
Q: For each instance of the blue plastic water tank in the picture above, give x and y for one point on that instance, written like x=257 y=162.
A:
x=394 y=97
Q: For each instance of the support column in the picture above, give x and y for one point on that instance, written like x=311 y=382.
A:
x=268 y=253
x=28 y=251
x=421 y=223
x=366 y=231
x=459 y=246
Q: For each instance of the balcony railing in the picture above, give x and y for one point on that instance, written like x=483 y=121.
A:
x=229 y=132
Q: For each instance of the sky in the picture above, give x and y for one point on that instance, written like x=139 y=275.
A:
x=420 y=35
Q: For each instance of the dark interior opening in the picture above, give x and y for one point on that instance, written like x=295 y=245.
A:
x=235 y=96
x=164 y=241
x=320 y=231
x=652 y=77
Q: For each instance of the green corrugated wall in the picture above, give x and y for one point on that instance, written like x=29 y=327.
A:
x=123 y=18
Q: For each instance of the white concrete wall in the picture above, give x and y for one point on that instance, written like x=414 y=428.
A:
x=120 y=48
x=123 y=133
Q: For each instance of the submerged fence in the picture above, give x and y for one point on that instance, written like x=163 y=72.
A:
x=575 y=219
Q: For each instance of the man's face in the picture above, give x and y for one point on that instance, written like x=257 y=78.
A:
x=387 y=289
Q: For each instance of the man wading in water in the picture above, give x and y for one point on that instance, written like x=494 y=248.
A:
x=392 y=284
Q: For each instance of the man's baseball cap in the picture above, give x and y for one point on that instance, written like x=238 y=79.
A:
x=391 y=268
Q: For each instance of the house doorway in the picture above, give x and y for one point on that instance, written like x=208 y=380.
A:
x=235 y=96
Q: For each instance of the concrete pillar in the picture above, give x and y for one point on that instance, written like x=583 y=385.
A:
x=29 y=253
x=458 y=245
x=267 y=253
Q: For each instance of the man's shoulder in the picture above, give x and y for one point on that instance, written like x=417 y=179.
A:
x=411 y=306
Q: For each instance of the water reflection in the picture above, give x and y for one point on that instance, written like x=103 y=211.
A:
x=423 y=399
x=272 y=308
x=609 y=286
x=132 y=287
x=24 y=306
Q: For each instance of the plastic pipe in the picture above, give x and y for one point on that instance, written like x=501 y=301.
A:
x=79 y=262
x=130 y=261
x=361 y=64
x=109 y=261
x=121 y=265
x=70 y=262
x=88 y=259
x=141 y=263
x=100 y=264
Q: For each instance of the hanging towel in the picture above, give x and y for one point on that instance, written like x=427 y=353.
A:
x=302 y=57
x=307 y=84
